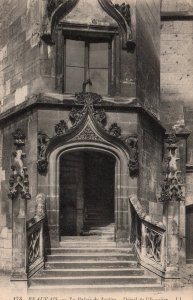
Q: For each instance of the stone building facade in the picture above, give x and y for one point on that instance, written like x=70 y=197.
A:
x=87 y=120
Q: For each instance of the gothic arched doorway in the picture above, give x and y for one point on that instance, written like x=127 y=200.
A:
x=86 y=192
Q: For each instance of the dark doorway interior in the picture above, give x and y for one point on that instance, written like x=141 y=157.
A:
x=86 y=191
x=189 y=234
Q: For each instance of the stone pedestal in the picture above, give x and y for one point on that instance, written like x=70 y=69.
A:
x=19 y=240
x=172 y=256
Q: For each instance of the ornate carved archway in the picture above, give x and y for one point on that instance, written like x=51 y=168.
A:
x=88 y=120
x=89 y=133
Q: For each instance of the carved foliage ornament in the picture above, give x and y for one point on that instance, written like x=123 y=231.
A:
x=115 y=130
x=172 y=186
x=19 y=181
x=132 y=144
x=61 y=128
x=88 y=98
x=76 y=115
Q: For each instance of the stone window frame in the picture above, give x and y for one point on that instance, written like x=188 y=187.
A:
x=107 y=34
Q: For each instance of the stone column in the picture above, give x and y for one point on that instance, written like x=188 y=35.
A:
x=173 y=196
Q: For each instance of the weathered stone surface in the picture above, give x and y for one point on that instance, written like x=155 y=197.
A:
x=148 y=65
x=177 y=5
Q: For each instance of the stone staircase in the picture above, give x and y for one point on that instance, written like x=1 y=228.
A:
x=98 y=221
x=93 y=263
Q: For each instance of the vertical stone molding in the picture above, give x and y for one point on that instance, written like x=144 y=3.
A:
x=173 y=196
x=19 y=193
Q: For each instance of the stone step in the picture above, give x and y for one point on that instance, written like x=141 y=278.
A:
x=90 y=272
x=91 y=280
x=97 y=211
x=99 y=238
x=101 y=230
x=87 y=244
x=105 y=228
x=91 y=264
x=78 y=239
x=97 y=216
x=102 y=216
x=99 y=233
x=91 y=257
x=98 y=221
x=95 y=223
x=95 y=289
x=62 y=250
x=93 y=238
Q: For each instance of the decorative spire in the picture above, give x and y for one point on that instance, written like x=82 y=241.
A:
x=19 y=181
x=172 y=186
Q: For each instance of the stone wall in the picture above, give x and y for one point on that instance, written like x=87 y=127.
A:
x=27 y=63
x=148 y=53
x=176 y=69
x=177 y=74
x=5 y=250
x=23 y=63
x=150 y=161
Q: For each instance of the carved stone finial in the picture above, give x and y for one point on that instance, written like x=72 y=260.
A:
x=115 y=130
x=88 y=100
x=172 y=186
x=19 y=181
x=40 y=208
